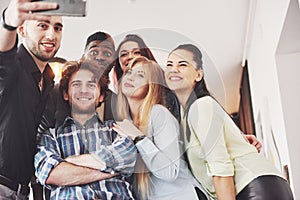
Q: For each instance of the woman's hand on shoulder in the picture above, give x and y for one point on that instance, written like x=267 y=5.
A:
x=253 y=141
x=127 y=129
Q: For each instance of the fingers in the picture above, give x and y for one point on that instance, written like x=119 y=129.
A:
x=258 y=146
x=253 y=141
x=117 y=128
x=19 y=11
x=36 y=6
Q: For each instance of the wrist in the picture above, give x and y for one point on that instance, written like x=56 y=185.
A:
x=138 y=138
x=3 y=22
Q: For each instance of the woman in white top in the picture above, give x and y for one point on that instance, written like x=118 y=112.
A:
x=161 y=172
x=218 y=155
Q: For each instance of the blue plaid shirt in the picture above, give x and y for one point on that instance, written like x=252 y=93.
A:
x=97 y=138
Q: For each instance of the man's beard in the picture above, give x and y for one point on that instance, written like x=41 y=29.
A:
x=77 y=110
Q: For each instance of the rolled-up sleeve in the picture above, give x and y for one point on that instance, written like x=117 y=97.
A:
x=120 y=156
x=47 y=157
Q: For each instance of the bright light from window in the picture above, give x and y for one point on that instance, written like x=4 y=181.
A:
x=57 y=67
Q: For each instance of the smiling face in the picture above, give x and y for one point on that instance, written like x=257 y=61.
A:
x=42 y=38
x=135 y=83
x=128 y=51
x=181 y=72
x=83 y=92
x=100 y=51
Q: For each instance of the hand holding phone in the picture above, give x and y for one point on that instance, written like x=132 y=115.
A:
x=20 y=10
x=76 y=8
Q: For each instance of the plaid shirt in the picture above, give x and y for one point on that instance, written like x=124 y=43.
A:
x=97 y=138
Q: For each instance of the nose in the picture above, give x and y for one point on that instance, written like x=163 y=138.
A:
x=100 y=57
x=50 y=34
x=130 y=55
x=83 y=88
x=174 y=68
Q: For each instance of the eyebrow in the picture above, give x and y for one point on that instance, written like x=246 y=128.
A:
x=76 y=81
x=48 y=22
x=140 y=71
x=183 y=62
x=105 y=46
x=80 y=81
x=130 y=50
x=59 y=24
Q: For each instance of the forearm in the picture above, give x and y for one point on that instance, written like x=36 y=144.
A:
x=224 y=187
x=86 y=160
x=164 y=163
x=120 y=156
x=8 y=39
x=16 y=13
x=67 y=174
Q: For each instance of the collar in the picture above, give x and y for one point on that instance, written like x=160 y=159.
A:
x=69 y=121
x=32 y=68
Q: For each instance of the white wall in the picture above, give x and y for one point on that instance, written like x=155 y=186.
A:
x=289 y=83
x=211 y=24
x=270 y=81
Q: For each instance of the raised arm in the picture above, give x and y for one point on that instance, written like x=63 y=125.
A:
x=16 y=13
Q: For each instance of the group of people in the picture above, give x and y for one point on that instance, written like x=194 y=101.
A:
x=147 y=134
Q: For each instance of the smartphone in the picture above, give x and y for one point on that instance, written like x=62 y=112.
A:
x=75 y=8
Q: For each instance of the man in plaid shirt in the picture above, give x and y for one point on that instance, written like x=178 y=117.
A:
x=84 y=158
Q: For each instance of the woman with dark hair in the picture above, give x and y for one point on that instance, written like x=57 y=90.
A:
x=131 y=46
x=219 y=157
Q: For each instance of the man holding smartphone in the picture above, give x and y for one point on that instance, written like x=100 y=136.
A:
x=25 y=82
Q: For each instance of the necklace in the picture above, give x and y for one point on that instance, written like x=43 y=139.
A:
x=41 y=84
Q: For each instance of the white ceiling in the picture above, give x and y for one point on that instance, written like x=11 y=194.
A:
x=217 y=27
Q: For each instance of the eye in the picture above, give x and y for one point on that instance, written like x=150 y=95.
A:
x=92 y=85
x=93 y=52
x=137 y=52
x=107 y=54
x=43 y=26
x=123 y=54
x=128 y=72
x=58 y=28
x=183 y=65
x=76 y=85
x=169 y=65
x=141 y=75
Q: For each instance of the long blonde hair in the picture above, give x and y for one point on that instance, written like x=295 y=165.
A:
x=155 y=95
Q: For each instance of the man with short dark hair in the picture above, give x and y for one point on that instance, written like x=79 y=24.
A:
x=78 y=159
x=25 y=82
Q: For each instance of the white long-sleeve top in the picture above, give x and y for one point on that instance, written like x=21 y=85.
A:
x=217 y=148
x=162 y=153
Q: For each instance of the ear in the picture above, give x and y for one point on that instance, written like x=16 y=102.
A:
x=21 y=31
x=199 y=75
x=101 y=98
x=65 y=95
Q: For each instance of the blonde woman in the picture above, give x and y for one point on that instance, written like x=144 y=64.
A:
x=161 y=172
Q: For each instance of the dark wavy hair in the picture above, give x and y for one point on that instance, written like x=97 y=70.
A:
x=72 y=67
x=200 y=89
x=145 y=51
